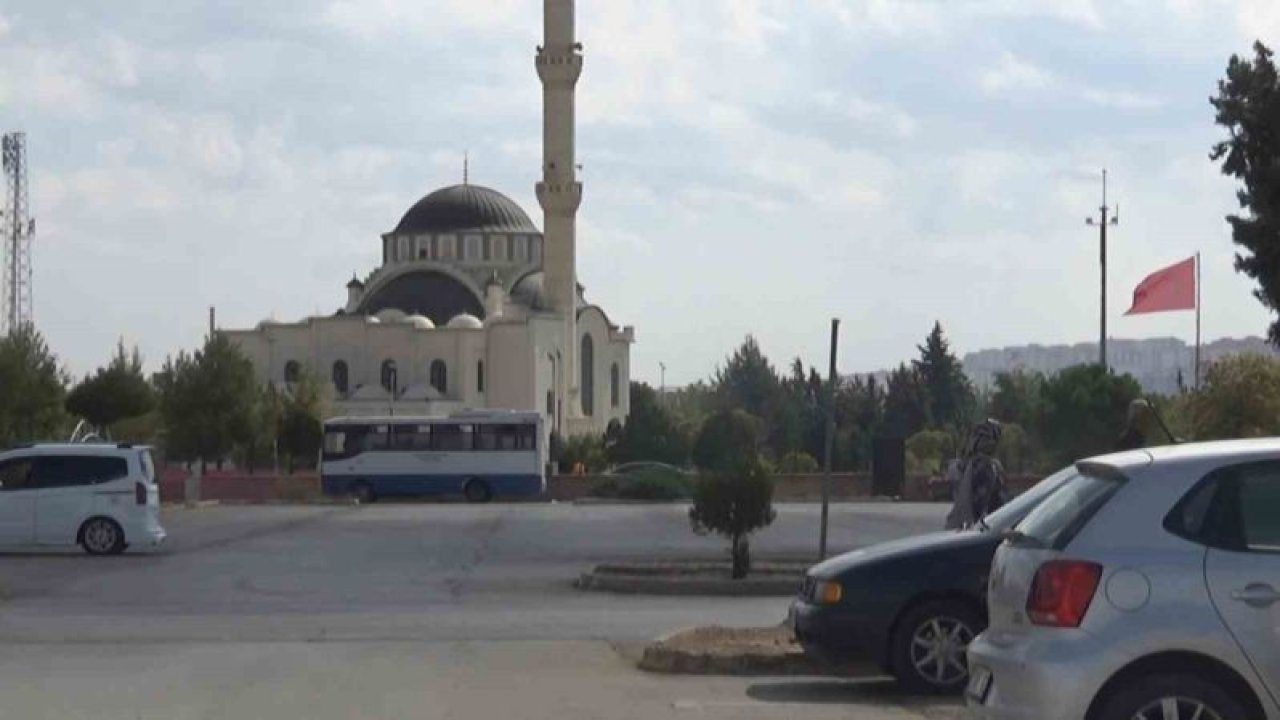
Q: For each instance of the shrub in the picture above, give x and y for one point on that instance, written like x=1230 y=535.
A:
x=585 y=449
x=734 y=502
x=655 y=484
x=725 y=439
x=797 y=463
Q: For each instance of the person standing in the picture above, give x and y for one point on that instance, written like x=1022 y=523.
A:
x=981 y=489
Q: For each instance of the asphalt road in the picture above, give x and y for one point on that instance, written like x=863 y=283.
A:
x=398 y=611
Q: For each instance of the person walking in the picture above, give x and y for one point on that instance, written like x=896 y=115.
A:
x=1136 y=426
x=981 y=488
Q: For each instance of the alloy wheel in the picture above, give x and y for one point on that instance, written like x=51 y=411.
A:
x=938 y=651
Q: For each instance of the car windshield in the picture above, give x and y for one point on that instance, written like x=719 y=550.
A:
x=1018 y=508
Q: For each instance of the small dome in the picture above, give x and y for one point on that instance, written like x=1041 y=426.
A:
x=465 y=321
x=529 y=291
x=267 y=323
x=421 y=322
x=421 y=392
x=465 y=207
x=388 y=315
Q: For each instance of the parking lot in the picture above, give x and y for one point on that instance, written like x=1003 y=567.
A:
x=401 y=611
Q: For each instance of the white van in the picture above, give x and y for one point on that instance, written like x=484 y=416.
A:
x=101 y=497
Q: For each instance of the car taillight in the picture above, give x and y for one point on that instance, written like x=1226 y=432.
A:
x=1061 y=592
x=140 y=493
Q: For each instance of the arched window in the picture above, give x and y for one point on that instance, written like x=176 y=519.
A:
x=390 y=382
x=291 y=371
x=480 y=376
x=615 y=383
x=587 y=359
x=439 y=376
x=341 y=377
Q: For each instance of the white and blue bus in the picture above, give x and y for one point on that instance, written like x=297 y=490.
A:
x=479 y=454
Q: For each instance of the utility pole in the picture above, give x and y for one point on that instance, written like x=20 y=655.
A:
x=662 y=387
x=18 y=228
x=830 y=440
x=1105 y=218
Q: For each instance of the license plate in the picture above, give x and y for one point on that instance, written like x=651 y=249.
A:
x=979 y=684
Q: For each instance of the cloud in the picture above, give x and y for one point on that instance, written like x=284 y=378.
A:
x=1120 y=99
x=5 y=26
x=1012 y=74
x=1259 y=19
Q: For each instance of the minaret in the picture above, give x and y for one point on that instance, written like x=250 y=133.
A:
x=559 y=65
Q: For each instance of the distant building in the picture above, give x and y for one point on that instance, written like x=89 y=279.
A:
x=1157 y=364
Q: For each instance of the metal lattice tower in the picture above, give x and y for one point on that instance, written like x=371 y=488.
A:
x=17 y=228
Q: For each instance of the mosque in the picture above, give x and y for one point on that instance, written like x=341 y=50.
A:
x=473 y=306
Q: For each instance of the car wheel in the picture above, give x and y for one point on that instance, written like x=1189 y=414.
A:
x=102 y=536
x=363 y=493
x=1172 y=697
x=928 y=653
x=477 y=491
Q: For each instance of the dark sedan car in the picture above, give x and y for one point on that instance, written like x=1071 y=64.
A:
x=912 y=605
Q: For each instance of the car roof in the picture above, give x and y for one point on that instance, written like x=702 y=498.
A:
x=72 y=448
x=1215 y=451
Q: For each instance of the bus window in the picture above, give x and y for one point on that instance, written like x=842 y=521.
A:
x=413 y=437
x=450 y=437
x=527 y=438
x=497 y=437
x=377 y=437
x=342 y=441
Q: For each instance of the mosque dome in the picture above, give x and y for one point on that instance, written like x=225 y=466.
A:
x=465 y=321
x=420 y=321
x=431 y=293
x=529 y=291
x=465 y=207
x=388 y=315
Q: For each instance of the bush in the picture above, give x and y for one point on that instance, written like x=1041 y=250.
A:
x=797 y=463
x=585 y=449
x=928 y=450
x=734 y=502
x=725 y=439
x=649 y=484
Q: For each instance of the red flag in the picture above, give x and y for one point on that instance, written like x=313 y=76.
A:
x=1173 y=288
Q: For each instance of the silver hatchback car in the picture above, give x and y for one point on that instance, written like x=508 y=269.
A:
x=1147 y=588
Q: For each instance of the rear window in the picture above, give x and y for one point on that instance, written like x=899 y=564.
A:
x=1055 y=521
x=71 y=470
x=148 y=466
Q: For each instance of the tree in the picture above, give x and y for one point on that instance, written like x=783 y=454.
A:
x=1248 y=107
x=725 y=438
x=798 y=462
x=1085 y=407
x=747 y=381
x=859 y=416
x=733 y=495
x=951 y=396
x=302 y=420
x=1017 y=398
x=116 y=392
x=208 y=400
x=585 y=449
x=906 y=404
x=929 y=450
x=1240 y=398
x=32 y=388
x=650 y=433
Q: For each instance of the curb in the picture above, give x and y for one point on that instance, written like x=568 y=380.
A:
x=666 y=661
x=784 y=586
x=590 y=501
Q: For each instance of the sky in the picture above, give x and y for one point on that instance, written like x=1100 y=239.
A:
x=750 y=166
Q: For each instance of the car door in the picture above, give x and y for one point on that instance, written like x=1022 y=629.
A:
x=17 y=502
x=1242 y=568
x=65 y=497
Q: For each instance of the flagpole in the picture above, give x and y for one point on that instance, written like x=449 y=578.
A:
x=1197 y=384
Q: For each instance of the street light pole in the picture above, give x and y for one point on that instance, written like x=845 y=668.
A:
x=828 y=440
x=1105 y=218
x=662 y=387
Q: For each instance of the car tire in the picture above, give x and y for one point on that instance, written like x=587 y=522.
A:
x=1146 y=696
x=477 y=491
x=102 y=536
x=363 y=493
x=927 y=654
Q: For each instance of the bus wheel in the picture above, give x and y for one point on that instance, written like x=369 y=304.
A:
x=363 y=493
x=477 y=491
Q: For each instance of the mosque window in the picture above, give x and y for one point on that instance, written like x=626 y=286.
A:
x=341 y=376
x=445 y=250
x=472 y=244
x=535 y=249
x=439 y=376
x=403 y=250
x=291 y=371
x=498 y=247
x=615 y=385
x=480 y=376
x=522 y=249
x=390 y=382
x=424 y=247
x=587 y=359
